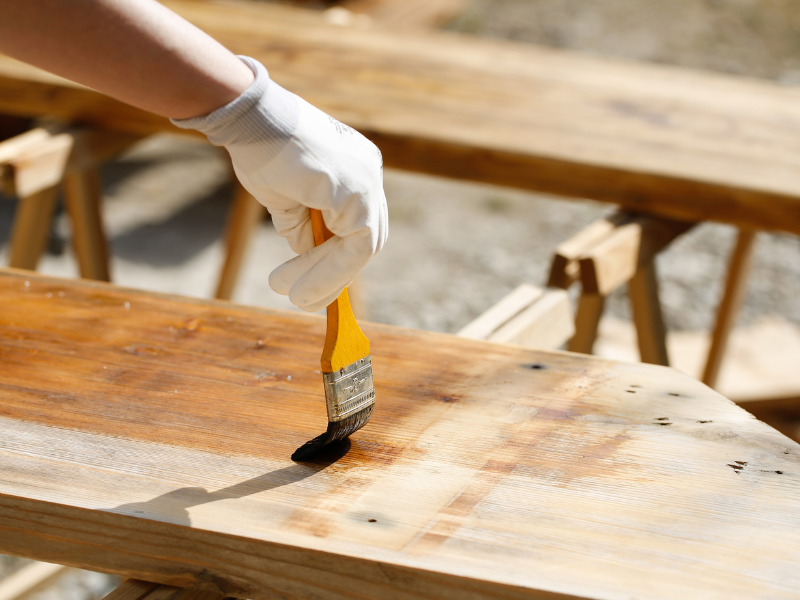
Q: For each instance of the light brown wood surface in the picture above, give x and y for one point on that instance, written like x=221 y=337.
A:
x=528 y=316
x=152 y=439
x=678 y=143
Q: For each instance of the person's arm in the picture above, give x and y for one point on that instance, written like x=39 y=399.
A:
x=137 y=51
x=288 y=154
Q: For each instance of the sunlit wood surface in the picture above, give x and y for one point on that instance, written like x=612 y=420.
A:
x=150 y=436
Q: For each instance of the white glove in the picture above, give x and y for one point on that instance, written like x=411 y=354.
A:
x=291 y=157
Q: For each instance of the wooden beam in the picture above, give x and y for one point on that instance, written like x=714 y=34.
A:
x=32 y=165
x=134 y=589
x=30 y=579
x=528 y=316
x=571 y=125
x=489 y=321
x=547 y=324
x=40 y=158
x=565 y=268
x=149 y=436
x=628 y=248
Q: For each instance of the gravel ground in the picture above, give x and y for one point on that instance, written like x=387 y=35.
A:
x=456 y=248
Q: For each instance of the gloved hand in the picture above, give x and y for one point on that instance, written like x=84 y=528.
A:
x=291 y=157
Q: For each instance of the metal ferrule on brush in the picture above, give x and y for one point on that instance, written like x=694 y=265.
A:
x=349 y=389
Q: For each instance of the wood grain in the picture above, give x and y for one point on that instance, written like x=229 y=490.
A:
x=682 y=144
x=150 y=436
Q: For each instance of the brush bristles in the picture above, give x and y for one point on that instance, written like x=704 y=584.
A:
x=337 y=430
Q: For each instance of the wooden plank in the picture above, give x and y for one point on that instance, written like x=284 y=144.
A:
x=11 y=148
x=482 y=327
x=39 y=159
x=528 y=316
x=565 y=268
x=738 y=271
x=40 y=166
x=510 y=114
x=149 y=436
x=29 y=580
x=546 y=324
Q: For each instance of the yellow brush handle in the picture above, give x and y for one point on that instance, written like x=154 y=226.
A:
x=344 y=341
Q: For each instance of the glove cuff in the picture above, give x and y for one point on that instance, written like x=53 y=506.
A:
x=264 y=115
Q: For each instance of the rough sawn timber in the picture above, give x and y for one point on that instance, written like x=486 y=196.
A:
x=682 y=144
x=150 y=435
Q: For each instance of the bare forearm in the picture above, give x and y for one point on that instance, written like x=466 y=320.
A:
x=137 y=51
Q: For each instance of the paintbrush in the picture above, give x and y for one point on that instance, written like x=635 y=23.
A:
x=346 y=367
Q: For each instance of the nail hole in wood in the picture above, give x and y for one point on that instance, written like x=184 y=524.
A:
x=537 y=366
x=372 y=520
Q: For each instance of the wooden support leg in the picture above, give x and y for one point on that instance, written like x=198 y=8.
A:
x=587 y=319
x=83 y=199
x=650 y=331
x=731 y=301
x=32 y=222
x=245 y=215
x=30 y=579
